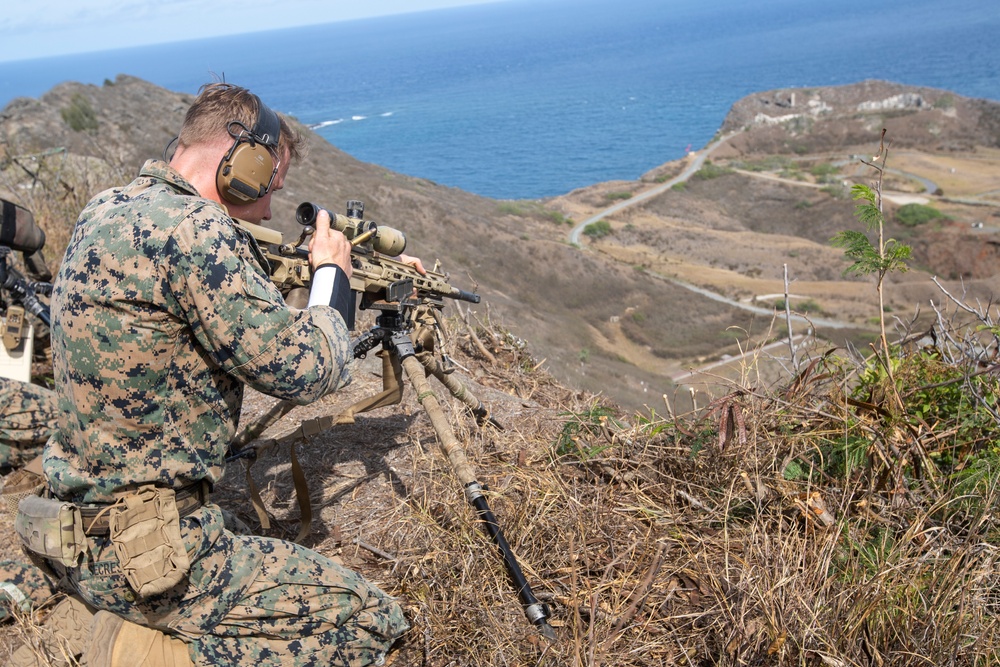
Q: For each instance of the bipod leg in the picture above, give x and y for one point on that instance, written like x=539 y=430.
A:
x=537 y=612
x=391 y=394
x=433 y=366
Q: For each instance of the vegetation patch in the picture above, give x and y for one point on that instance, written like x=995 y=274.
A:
x=80 y=115
x=528 y=208
x=711 y=170
x=617 y=196
x=598 y=230
x=769 y=163
x=836 y=191
x=825 y=172
x=913 y=215
x=808 y=306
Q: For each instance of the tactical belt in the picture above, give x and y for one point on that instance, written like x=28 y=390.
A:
x=189 y=498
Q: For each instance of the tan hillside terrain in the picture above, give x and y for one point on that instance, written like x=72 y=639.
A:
x=608 y=321
x=777 y=190
x=787 y=522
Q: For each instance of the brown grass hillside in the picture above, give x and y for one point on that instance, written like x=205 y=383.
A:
x=802 y=523
x=809 y=513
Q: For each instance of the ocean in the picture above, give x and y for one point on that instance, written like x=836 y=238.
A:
x=534 y=98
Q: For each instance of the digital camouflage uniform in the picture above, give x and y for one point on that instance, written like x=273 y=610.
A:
x=161 y=313
x=28 y=415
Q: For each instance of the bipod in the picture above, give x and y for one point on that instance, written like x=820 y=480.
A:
x=399 y=351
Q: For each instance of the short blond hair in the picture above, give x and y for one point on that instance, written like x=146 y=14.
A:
x=218 y=105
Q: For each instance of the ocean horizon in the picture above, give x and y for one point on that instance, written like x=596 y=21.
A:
x=532 y=99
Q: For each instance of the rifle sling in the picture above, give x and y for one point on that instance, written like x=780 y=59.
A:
x=301 y=493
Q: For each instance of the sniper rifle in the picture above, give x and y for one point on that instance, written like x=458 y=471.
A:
x=409 y=329
x=375 y=272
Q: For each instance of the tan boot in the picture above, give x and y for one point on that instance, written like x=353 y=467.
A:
x=119 y=643
x=59 y=639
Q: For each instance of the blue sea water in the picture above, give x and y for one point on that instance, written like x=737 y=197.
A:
x=533 y=98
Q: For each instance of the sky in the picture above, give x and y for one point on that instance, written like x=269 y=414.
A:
x=40 y=28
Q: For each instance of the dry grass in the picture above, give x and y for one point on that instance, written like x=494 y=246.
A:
x=700 y=539
x=738 y=535
x=55 y=186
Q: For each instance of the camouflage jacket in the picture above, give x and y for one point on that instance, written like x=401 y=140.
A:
x=162 y=311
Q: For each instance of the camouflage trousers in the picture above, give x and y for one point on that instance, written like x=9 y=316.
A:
x=28 y=416
x=250 y=600
x=25 y=585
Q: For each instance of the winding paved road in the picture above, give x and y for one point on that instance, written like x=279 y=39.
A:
x=574 y=236
x=696 y=164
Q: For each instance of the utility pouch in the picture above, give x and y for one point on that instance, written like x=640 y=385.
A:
x=145 y=530
x=52 y=529
x=26 y=481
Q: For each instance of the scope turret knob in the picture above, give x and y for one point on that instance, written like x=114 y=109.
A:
x=355 y=209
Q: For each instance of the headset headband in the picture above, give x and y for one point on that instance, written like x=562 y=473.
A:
x=267 y=129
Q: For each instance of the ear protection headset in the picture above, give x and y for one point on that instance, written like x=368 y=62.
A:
x=247 y=170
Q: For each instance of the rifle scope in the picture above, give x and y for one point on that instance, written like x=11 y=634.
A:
x=18 y=230
x=381 y=239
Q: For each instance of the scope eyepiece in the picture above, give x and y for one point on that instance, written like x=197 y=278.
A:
x=306 y=214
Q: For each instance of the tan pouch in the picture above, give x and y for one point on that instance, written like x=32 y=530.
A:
x=52 y=529
x=145 y=530
x=20 y=483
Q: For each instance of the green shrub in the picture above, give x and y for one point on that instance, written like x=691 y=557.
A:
x=511 y=208
x=79 y=115
x=597 y=230
x=835 y=191
x=530 y=208
x=825 y=172
x=710 y=171
x=583 y=434
x=558 y=218
x=823 y=169
x=807 y=306
x=946 y=101
x=770 y=163
x=616 y=196
x=912 y=215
